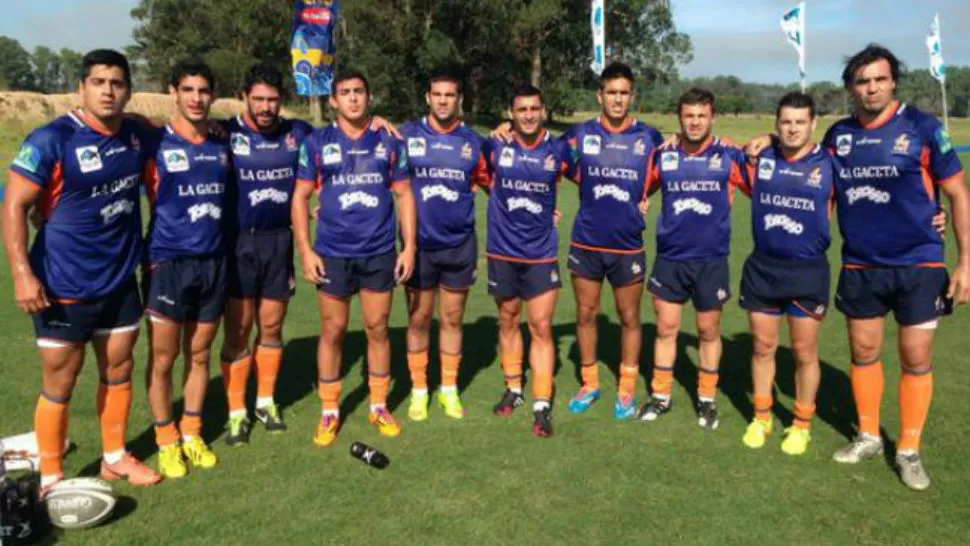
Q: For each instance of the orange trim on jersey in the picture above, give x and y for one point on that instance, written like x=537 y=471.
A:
x=521 y=260
x=651 y=180
x=151 y=179
x=926 y=173
x=52 y=192
x=350 y=131
x=480 y=173
x=748 y=189
x=800 y=154
x=958 y=176
x=735 y=181
x=934 y=265
x=177 y=127
x=248 y=121
x=627 y=122
x=882 y=118
x=701 y=149
x=433 y=123
x=602 y=249
x=93 y=122
x=832 y=201
x=539 y=140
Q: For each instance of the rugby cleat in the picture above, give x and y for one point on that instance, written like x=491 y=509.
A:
x=583 y=400
x=199 y=454
x=756 y=433
x=510 y=400
x=654 y=409
x=131 y=469
x=862 y=447
x=451 y=403
x=418 y=407
x=271 y=418
x=796 y=441
x=707 y=415
x=542 y=422
x=239 y=429
x=170 y=463
x=326 y=433
x=624 y=408
x=386 y=424
x=911 y=471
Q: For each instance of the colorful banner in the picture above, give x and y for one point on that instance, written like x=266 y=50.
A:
x=599 y=37
x=793 y=25
x=312 y=47
x=933 y=44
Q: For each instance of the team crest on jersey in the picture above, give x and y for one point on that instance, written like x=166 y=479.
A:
x=240 y=144
x=28 y=158
x=331 y=154
x=417 y=147
x=815 y=178
x=639 y=148
x=380 y=151
x=291 y=145
x=550 y=164
x=669 y=161
x=176 y=161
x=715 y=162
x=901 y=146
x=766 y=168
x=466 y=151
x=88 y=158
x=843 y=144
x=507 y=157
x=591 y=145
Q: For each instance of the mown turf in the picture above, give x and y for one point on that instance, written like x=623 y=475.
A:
x=487 y=481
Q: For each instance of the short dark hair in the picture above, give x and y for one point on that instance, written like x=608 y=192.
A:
x=524 y=90
x=869 y=55
x=616 y=70
x=348 y=74
x=265 y=74
x=105 y=57
x=796 y=99
x=191 y=67
x=444 y=74
x=696 y=95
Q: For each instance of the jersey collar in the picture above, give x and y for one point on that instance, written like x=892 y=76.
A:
x=436 y=127
x=894 y=108
x=83 y=118
x=627 y=123
x=542 y=137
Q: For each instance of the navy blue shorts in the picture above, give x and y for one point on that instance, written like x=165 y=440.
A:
x=619 y=268
x=454 y=268
x=186 y=289
x=77 y=322
x=796 y=287
x=914 y=294
x=508 y=280
x=261 y=265
x=345 y=277
x=707 y=283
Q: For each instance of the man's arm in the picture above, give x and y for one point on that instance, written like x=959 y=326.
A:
x=21 y=195
x=959 y=196
x=407 y=214
x=311 y=263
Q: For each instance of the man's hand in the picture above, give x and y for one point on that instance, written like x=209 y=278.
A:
x=644 y=206
x=959 y=289
x=758 y=145
x=312 y=265
x=556 y=217
x=381 y=124
x=30 y=294
x=503 y=132
x=404 y=267
x=939 y=221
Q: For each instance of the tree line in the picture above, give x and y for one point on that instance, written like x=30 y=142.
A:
x=43 y=70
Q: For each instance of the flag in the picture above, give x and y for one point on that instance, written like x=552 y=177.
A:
x=599 y=37
x=793 y=25
x=311 y=47
x=937 y=67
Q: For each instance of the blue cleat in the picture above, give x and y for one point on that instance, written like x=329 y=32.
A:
x=625 y=408
x=583 y=400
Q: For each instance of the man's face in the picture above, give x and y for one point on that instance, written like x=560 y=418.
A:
x=263 y=105
x=873 y=87
x=104 y=91
x=795 y=126
x=696 y=121
x=193 y=98
x=527 y=115
x=350 y=99
x=443 y=99
x=615 y=97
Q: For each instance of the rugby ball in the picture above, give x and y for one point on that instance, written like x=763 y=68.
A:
x=80 y=503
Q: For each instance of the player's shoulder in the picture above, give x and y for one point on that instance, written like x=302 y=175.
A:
x=413 y=128
x=643 y=128
x=235 y=124
x=54 y=135
x=728 y=149
x=924 y=123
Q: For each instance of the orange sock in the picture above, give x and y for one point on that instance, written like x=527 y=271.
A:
x=867 y=387
x=512 y=368
x=418 y=366
x=379 y=385
x=268 y=361
x=191 y=424
x=762 y=407
x=235 y=376
x=803 y=415
x=591 y=376
x=329 y=392
x=450 y=365
x=663 y=381
x=166 y=433
x=114 y=405
x=706 y=384
x=541 y=384
x=915 y=395
x=50 y=426
x=628 y=379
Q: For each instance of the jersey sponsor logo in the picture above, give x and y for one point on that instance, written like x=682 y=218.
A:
x=715 y=163
x=901 y=146
x=639 y=148
x=943 y=140
x=417 y=147
x=515 y=203
x=611 y=190
x=205 y=188
x=176 y=161
x=507 y=157
x=266 y=175
x=28 y=158
x=815 y=178
x=268 y=194
x=466 y=151
x=550 y=163
x=592 y=145
x=112 y=210
x=201 y=210
x=88 y=159
x=870 y=171
x=843 y=145
x=439 y=173
x=693 y=204
x=331 y=154
x=669 y=161
x=613 y=172
x=786 y=201
x=868 y=193
x=439 y=190
x=766 y=168
x=291 y=143
x=784 y=222
x=240 y=144
x=365 y=199
x=442 y=146
x=115 y=186
x=380 y=151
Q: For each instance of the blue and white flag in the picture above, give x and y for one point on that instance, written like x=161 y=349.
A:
x=933 y=44
x=596 y=17
x=793 y=25
x=311 y=47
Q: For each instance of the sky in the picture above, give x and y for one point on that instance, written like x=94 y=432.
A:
x=730 y=37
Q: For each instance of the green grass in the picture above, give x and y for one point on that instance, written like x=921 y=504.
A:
x=487 y=481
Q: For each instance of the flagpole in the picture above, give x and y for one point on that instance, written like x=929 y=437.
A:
x=804 y=50
x=946 y=116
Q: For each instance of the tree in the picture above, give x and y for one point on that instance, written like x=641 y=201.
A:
x=70 y=69
x=47 y=70
x=15 y=69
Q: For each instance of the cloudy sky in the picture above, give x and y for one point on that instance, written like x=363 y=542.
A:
x=739 y=37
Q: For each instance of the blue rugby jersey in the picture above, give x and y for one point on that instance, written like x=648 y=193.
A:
x=697 y=190
x=354 y=176
x=791 y=203
x=446 y=165
x=522 y=203
x=610 y=167
x=887 y=188
x=90 y=241
x=188 y=196
x=265 y=166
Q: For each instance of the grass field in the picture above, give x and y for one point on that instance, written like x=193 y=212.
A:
x=487 y=481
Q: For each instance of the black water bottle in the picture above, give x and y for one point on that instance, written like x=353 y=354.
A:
x=369 y=455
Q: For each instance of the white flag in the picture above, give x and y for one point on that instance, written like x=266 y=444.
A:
x=599 y=36
x=793 y=25
x=937 y=67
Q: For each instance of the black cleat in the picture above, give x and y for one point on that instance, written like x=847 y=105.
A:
x=542 y=422
x=270 y=418
x=510 y=400
x=653 y=409
x=239 y=428
x=707 y=415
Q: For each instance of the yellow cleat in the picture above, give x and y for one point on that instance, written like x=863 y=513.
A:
x=451 y=403
x=198 y=453
x=326 y=433
x=796 y=441
x=756 y=433
x=170 y=463
x=418 y=408
x=385 y=423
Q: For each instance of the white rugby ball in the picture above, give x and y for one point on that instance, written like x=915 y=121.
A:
x=80 y=503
